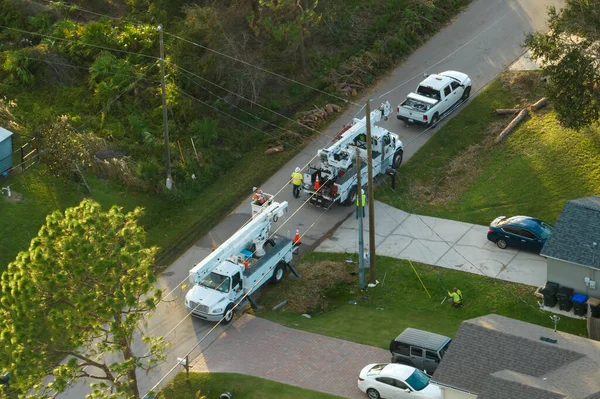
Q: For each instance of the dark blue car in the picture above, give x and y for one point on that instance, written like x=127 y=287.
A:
x=522 y=232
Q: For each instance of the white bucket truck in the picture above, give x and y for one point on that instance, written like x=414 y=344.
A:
x=240 y=266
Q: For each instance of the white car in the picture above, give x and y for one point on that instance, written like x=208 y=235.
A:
x=396 y=381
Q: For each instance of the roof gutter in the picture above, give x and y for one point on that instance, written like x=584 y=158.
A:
x=455 y=388
x=568 y=261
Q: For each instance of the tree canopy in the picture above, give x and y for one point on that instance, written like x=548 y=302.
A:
x=570 y=53
x=82 y=289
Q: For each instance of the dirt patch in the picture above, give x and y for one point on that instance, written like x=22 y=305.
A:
x=310 y=292
x=525 y=85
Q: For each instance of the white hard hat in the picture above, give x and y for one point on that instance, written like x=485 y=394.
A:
x=297 y=169
x=363 y=191
x=254 y=188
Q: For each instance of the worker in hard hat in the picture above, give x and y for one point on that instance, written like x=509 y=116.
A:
x=360 y=203
x=258 y=196
x=296 y=182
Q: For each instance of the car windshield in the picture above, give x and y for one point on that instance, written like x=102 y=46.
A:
x=216 y=282
x=545 y=230
x=418 y=380
x=376 y=369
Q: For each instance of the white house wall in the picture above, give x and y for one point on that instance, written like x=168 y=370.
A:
x=449 y=393
x=572 y=276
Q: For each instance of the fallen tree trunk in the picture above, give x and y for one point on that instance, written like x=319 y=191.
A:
x=506 y=111
x=542 y=102
x=512 y=125
x=274 y=150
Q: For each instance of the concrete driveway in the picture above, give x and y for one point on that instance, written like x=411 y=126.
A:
x=261 y=348
x=482 y=41
x=440 y=242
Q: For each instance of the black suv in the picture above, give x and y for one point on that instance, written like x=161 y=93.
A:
x=421 y=349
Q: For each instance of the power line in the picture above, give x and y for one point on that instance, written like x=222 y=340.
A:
x=79 y=43
x=240 y=121
x=247 y=99
x=263 y=69
x=59 y=4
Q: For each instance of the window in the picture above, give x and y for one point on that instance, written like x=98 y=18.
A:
x=386 y=140
x=416 y=351
x=418 y=380
x=428 y=92
x=216 y=282
x=237 y=281
x=528 y=234
x=444 y=349
x=402 y=349
x=447 y=90
x=385 y=380
x=432 y=356
x=512 y=230
x=399 y=384
x=455 y=85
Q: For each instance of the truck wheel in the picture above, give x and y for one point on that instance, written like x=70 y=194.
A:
x=466 y=93
x=351 y=199
x=278 y=273
x=434 y=120
x=397 y=161
x=228 y=315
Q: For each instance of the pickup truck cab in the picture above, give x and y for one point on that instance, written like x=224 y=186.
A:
x=435 y=97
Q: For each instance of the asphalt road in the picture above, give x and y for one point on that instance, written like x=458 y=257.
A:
x=482 y=41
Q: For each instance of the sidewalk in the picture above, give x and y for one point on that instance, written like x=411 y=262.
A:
x=261 y=348
x=440 y=242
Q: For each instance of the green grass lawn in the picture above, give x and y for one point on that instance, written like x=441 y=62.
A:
x=462 y=174
x=211 y=385
x=384 y=312
x=172 y=224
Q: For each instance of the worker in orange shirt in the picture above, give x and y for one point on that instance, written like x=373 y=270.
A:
x=258 y=196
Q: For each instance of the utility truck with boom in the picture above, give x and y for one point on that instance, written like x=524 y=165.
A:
x=335 y=179
x=436 y=97
x=240 y=266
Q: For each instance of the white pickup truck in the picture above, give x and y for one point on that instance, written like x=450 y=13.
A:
x=436 y=96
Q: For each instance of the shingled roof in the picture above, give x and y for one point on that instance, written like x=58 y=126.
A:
x=575 y=232
x=496 y=357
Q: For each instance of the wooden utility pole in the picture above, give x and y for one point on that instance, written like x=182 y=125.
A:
x=370 y=199
x=164 y=107
x=361 y=258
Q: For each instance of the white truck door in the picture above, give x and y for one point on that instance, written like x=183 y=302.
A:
x=237 y=288
x=446 y=99
x=457 y=91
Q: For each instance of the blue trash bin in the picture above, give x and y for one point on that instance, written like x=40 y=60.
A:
x=579 y=304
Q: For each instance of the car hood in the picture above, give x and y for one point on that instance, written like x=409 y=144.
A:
x=206 y=296
x=431 y=391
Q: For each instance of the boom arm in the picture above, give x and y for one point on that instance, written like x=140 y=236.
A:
x=257 y=231
x=358 y=127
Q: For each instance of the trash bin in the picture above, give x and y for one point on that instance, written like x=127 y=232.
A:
x=564 y=296
x=579 y=304
x=594 y=304
x=549 y=291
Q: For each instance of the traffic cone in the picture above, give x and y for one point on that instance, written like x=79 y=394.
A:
x=317 y=183
x=296 y=241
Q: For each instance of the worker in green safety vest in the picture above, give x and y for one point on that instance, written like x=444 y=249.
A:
x=296 y=182
x=455 y=298
x=361 y=200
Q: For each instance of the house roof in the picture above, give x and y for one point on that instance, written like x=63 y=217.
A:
x=4 y=134
x=494 y=351
x=577 y=229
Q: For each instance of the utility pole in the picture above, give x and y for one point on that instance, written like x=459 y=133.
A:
x=361 y=257
x=371 y=200
x=164 y=107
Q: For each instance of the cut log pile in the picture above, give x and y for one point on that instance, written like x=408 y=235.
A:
x=520 y=115
x=316 y=116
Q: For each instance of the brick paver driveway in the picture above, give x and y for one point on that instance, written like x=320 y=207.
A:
x=261 y=348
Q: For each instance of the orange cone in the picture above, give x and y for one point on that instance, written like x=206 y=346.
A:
x=317 y=183
x=297 y=237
